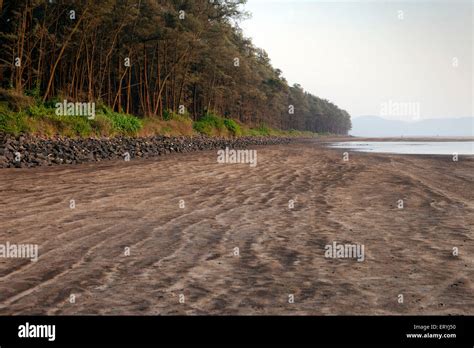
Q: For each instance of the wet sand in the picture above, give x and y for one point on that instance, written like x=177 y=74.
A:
x=191 y=250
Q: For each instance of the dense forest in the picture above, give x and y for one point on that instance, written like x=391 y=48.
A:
x=149 y=57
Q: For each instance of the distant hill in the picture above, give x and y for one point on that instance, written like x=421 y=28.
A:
x=374 y=126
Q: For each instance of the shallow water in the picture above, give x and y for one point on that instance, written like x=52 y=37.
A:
x=410 y=147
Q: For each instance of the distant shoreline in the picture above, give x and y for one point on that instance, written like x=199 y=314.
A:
x=415 y=146
x=411 y=138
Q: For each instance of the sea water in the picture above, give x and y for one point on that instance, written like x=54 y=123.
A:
x=410 y=147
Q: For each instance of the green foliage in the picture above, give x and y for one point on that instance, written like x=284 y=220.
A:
x=213 y=125
x=125 y=124
x=42 y=119
x=41 y=110
x=35 y=92
x=210 y=124
x=170 y=115
x=72 y=125
x=167 y=115
x=101 y=108
x=102 y=125
x=13 y=123
x=232 y=127
x=261 y=130
x=118 y=122
x=205 y=77
x=256 y=91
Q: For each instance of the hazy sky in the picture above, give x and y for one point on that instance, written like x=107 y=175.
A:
x=395 y=59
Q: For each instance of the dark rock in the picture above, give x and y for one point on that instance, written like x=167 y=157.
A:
x=43 y=152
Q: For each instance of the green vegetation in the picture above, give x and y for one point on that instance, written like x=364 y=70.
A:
x=40 y=119
x=213 y=125
x=154 y=59
x=232 y=126
x=120 y=123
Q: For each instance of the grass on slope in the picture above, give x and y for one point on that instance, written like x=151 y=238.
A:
x=28 y=114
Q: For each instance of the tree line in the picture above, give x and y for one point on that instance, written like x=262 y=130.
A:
x=150 y=57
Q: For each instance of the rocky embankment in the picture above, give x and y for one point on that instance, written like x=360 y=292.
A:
x=30 y=151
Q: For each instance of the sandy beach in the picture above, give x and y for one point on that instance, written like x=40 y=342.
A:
x=159 y=236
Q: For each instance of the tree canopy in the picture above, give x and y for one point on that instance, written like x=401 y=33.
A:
x=147 y=57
